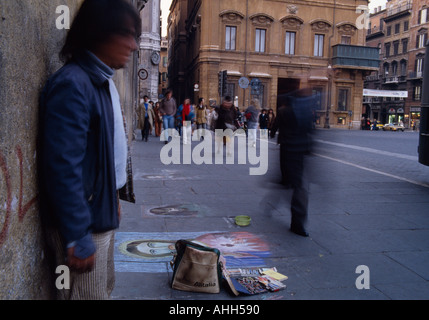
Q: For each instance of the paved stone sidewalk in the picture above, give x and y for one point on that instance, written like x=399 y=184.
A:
x=356 y=218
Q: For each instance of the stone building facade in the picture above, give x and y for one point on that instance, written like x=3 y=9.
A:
x=419 y=30
x=276 y=46
x=163 y=68
x=150 y=47
x=400 y=32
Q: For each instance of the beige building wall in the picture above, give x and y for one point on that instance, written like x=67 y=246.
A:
x=205 y=52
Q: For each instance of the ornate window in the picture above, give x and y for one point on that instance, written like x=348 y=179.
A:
x=292 y=26
x=319 y=40
x=290 y=42
x=421 y=38
x=347 y=31
x=423 y=16
x=404 y=46
x=261 y=22
x=320 y=28
x=260 y=35
x=343 y=99
x=403 y=67
x=231 y=21
x=419 y=64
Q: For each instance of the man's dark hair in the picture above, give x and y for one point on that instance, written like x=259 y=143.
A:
x=227 y=99
x=96 y=21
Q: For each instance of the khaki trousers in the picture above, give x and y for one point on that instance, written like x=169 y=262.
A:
x=97 y=284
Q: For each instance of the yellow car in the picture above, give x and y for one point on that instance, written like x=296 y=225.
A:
x=393 y=127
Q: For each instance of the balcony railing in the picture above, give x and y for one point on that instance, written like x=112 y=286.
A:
x=372 y=78
x=393 y=79
x=359 y=57
x=399 y=9
x=415 y=75
x=372 y=99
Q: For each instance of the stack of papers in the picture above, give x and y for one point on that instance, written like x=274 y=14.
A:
x=256 y=280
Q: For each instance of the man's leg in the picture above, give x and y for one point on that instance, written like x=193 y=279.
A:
x=299 y=211
x=294 y=176
x=146 y=129
x=299 y=202
x=96 y=284
x=111 y=266
x=165 y=124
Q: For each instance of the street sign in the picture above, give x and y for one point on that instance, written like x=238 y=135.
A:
x=243 y=82
x=255 y=84
x=155 y=58
x=143 y=74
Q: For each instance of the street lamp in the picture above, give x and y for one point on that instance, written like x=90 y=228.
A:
x=328 y=107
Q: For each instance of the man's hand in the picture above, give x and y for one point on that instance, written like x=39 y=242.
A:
x=79 y=265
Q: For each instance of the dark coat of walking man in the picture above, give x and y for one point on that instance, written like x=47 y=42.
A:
x=83 y=153
x=294 y=122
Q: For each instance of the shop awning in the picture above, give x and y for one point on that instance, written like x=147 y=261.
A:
x=385 y=93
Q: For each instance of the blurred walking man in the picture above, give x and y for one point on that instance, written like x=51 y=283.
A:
x=294 y=122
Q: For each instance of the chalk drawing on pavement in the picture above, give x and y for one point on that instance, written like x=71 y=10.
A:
x=175 y=210
x=152 y=252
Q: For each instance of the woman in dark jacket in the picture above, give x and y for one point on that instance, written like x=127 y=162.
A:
x=271 y=120
x=263 y=119
x=226 y=118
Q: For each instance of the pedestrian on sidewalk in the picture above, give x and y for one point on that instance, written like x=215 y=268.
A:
x=239 y=120
x=145 y=117
x=168 y=109
x=226 y=120
x=82 y=147
x=271 y=120
x=157 y=120
x=252 y=114
x=263 y=122
x=201 y=118
x=294 y=122
x=184 y=118
x=211 y=118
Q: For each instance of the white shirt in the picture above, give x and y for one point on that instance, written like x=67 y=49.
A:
x=120 y=139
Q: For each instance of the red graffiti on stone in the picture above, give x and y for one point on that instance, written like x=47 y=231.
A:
x=22 y=208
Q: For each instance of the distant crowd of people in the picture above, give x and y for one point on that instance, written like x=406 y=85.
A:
x=188 y=117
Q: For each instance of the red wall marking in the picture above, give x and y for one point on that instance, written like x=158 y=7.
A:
x=22 y=209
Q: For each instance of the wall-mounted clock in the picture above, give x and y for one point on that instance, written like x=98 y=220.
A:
x=155 y=58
